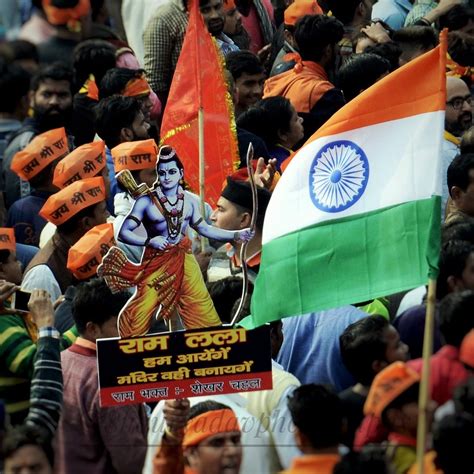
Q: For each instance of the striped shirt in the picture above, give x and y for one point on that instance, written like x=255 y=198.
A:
x=419 y=10
x=162 y=39
x=17 y=356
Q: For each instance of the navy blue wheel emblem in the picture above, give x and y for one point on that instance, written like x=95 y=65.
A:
x=338 y=176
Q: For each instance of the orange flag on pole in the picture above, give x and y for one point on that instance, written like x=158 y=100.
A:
x=199 y=81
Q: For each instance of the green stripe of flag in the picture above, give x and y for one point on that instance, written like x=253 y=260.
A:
x=348 y=261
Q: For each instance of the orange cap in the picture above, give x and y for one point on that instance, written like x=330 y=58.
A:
x=7 y=239
x=229 y=5
x=86 y=161
x=387 y=386
x=87 y=253
x=40 y=152
x=136 y=87
x=209 y=424
x=300 y=8
x=62 y=16
x=63 y=205
x=133 y=156
x=466 y=353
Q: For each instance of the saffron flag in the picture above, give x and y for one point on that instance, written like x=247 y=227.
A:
x=356 y=215
x=199 y=80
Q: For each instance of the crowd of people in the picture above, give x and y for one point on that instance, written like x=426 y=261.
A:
x=83 y=88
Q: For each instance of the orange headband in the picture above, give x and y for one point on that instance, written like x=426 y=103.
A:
x=86 y=161
x=209 y=424
x=134 y=156
x=63 y=16
x=7 y=239
x=87 y=253
x=63 y=205
x=41 y=151
x=136 y=87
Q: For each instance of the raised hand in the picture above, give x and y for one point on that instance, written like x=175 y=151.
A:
x=176 y=416
x=41 y=308
x=6 y=290
x=265 y=173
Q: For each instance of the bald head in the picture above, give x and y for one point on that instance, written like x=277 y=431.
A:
x=458 y=106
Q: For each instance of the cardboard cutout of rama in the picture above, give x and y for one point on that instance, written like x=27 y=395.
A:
x=168 y=278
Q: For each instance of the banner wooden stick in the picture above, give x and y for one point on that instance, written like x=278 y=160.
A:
x=202 y=171
x=424 y=397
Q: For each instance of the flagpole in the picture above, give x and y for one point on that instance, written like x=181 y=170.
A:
x=202 y=169
x=424 y=396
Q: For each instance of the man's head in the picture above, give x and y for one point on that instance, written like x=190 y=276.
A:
x=317 y=415
x=212 y=12
x=51 y=96
x=415 y=41
x=211 y=443
x=129 y=83
x=368 y=346
x=27 y=449
x=22 y=53
x=232 y=19
x=455 y=317
x=169 y=168
x=234 y=207
x=352 y=12
x=360 y=72
x=458 y=106
x=92 y=56
x=120 y=119
x=456 y=268
x=71 y=16
x=458 y=18
x=10 y=267
x=95 y=309
x=294 y=12
x=249 y=77
x=461 y=183
x=317 y=37
x=14 y=87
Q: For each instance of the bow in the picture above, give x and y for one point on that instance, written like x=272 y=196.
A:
x=253 y=225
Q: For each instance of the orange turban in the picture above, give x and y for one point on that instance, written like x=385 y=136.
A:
x=63 y=16
x=229 y=5
x=209 y=424
x=466 y=353
x=387 y=386
x=7 y=239
x=134 y=156
x=300 y=8
x=86 y=161
x=87 y=253
x=136 y=87
x=63 y=205
x=41 y=151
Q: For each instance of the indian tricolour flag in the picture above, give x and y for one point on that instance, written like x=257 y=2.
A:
x=356 y=214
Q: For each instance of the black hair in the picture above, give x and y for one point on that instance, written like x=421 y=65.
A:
x=115 y=80
x=57 y=71
x=313 y=33
x=461 y=50
x=45 y=176
x=4 y=256
x=409 y=395
x=361 y=344
x=359 y=72
x=456 y=18
x=344 y=10
x=458 y=231
x=452 y=262
x=370 y=460
x=114 y=113
x=458 y=171
x=317 y=413
x=267 y=118
x=455 y=317
x=27 y=435
x=243 y=62
x=19 y=49
x=452 y=441
x=224 y=293
x=204 y=407
x=94 y=302
x=463 y=397
x=93 y=56
x=72 y=224
x=14 y=85
x=467 y=142
x=415 y=36
x=390 y=51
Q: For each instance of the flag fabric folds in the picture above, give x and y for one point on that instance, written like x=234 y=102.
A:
x=356 y=215
x=199 y=80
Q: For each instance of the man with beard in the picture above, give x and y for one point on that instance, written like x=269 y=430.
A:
x=307 y=85
x=119 y=119
x=458 y=120
x=51 y=102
